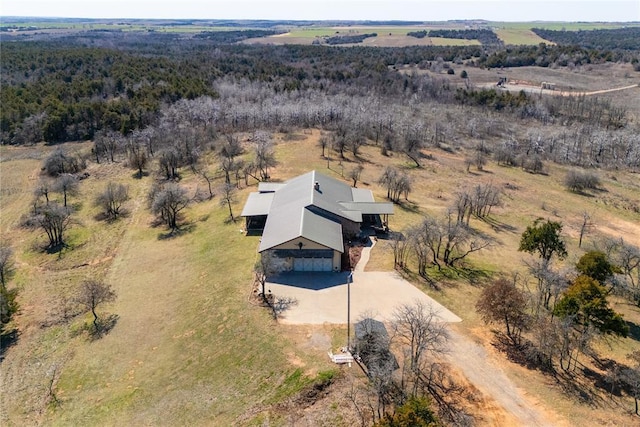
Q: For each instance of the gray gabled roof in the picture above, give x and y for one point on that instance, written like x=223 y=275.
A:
x=369 y=208
x=257 y=204
x=269 y=187
x=309 y=206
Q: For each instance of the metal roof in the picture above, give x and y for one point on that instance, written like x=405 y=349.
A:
x=269 y=187
x=257 y=204
x=369 y=208
x=361 y=195
x=304 y=207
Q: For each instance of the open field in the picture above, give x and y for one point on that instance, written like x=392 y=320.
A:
x=388 y=35
x=382 y=40
x=519 y=36
x=558 y=26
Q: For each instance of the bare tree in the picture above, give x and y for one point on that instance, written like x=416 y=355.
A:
x=584 y=227
x=578 y=181
x=355 y=140
x=413 y=142
x=67 y=185
x=323 y=143
x=420 y=332
x=54 y=220
x=59 y=162
x=167 y=202
x=478 y=202
x=137 y=156
x=355 y=173
x=396 y=182
x=230 y=166
x=503 y=302
x=43 y=188
x=169 y=161
x=373 y=349
x=93 y=293
x=264 y=155
x=230 y=147
x=550 y=283
x=112 y=199
x=114 y=143
x=423 y=245
x=6 y=264
x=457 y=241
x=266 y=266
x=208 y=177
x=400 y=246
x=339 y=141
x=228 y=198
x=632 y=378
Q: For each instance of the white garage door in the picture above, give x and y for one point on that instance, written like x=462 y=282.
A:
x=312 y=264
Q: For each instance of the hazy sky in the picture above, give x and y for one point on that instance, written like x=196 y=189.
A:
x=418 y=10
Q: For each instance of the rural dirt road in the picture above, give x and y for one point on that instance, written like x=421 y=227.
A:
x=485 y=374
x=536 y=89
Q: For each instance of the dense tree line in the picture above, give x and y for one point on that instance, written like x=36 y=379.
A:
x=484 y=36
x=603 y=39
x=60 y=93
x=545 y=55
x=349 y=38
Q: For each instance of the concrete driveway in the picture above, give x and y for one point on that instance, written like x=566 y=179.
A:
x=322 y=297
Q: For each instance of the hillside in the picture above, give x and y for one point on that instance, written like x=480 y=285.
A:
x=174 y=355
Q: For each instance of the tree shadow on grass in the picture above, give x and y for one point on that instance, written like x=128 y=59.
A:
x=475 y=276
x=408 y=206
x=137 y=175
x=579 y=382
x=185 y=229
x=499 y=226
x=103 y=216
x=55 y=249
x=524 y=354
x=7 y=339
x=634 y=331
x=105 y=325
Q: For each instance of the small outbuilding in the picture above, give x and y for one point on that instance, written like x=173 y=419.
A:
x=306 y=221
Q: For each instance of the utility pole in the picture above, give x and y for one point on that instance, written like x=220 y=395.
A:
x=349 y=280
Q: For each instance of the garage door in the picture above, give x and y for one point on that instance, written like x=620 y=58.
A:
x=312 y=264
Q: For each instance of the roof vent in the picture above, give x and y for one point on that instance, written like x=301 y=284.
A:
x=317 y=186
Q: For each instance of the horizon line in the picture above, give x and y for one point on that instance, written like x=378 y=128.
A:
x=309 y=20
